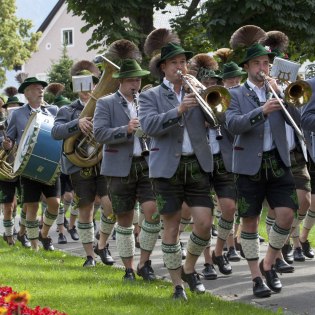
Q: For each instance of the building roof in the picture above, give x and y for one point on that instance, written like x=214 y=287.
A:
x=50 y=16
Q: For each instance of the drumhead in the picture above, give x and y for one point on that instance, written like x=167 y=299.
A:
x=25 y=143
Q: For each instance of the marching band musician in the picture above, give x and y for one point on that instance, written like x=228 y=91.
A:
x=86 y=182
x=126 y=169
x=261 y=162
x=222 y=183
x=307 y=123
x=33 y=89
x=10 y=188
x=179 y=163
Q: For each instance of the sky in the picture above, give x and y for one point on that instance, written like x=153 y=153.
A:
x=35 y=10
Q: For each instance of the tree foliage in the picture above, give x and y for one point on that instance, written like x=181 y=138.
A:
x=60 y=72
x=112 y=19
x=203 y=25
x=295 y=18
x=16 y=41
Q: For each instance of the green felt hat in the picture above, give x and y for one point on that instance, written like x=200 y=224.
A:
x=207 y=73
x=61 y=100
x=256 y=50
x=12 y=100
x=29 y=81
x=130 y=69
x=232 y=70
x=173 y=49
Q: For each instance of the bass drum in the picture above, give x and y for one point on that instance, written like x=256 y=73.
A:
x=38 y=154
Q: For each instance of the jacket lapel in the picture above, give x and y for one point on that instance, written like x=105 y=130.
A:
x=123 y=104
x=251 y=96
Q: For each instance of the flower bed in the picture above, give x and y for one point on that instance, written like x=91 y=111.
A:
x=15 y=303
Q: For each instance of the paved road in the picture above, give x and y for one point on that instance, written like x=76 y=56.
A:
x=296 y=297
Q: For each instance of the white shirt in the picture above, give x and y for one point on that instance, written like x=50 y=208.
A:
x=290 y=136
x=133 y=114
x=213 y=142
x=187 y=148
x=268 y=139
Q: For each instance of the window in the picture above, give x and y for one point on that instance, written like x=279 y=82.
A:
x=67 y=37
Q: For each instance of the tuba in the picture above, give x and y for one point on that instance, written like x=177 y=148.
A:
x=83 y=150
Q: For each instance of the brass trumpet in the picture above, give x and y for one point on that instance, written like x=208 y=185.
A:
x=296 y=94
x=213 y=100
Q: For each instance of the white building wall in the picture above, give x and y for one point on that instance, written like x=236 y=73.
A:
x=50 y=45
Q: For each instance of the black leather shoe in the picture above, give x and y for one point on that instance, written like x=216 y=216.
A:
x=223 y=263
x=183 y=249
x=90 y=262
x=62 y=239
x=261 y=239
x=287 y=253
x=209 y=272
x=193 y=281
x=129 y=275
x=271 y=276
x=298 y=254
x=260 y=289
x=307 y=250
x=232 y=255
x=214 y=231
x=74 y=233
x=179 y=293
x=282 y=267
x=46 y=242
x=24 y=240
x=146 y=272
x=104 y=254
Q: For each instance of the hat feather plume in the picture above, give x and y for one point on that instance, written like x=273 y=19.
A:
x=246 y=36
x=224 y=54
x=157 y=39
x=10 y=91
x=276 y=40
x=154 y=69
x=84 y=65
x=21 y=77
x=55 y=88
x=123 y=49
x=204 y=61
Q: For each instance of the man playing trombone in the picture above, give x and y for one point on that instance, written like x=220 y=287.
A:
x=179 y=163
x=261 y=162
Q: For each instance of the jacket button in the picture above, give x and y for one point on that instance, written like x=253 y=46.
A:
x=259 y=154
x=177 y=154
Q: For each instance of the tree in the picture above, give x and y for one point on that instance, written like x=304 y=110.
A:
x=295 y=18
x=203 y=25
x=112 y=19
x=16 y=41
x=59 y=72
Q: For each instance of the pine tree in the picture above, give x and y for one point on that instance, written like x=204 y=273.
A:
x=60 y=72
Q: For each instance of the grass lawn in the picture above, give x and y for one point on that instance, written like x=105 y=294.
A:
x=57 y=280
